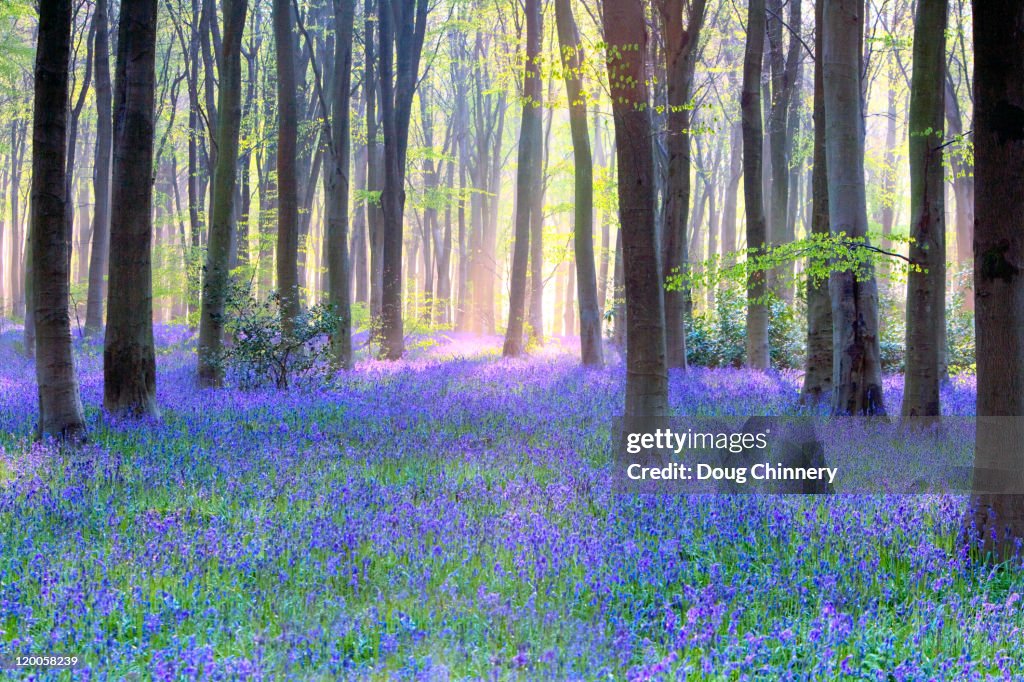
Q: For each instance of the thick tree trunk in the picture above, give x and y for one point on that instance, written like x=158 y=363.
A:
x=996 y=524
x=216 y=276
x=926 y=288
x=753 y=189
x=129 y=356
x=680 y=53
x=287 y=172
x=100 y=250
x=856 y=371
x=646 y=368
x=336 y=186
x=818 y=377
x=583 y=226
x=60 y=407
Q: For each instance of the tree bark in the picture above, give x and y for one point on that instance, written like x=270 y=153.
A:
x=287 y=172
x=401 y=30
x=926 y=289
x=996 y=522
x=336 y=186
x=680 y=53
x=217 y=274
x=646 y=368
x=60 y=407
x=784 y=92
x=753 y=189
x=818 y=376
x=856 y=370
x=591 y=352
x=527 y=183
x=100 y=250
x=129 y=356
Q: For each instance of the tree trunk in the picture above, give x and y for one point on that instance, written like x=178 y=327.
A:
x=216 y=277
x=784 y=87
x=60 y=407
x=336 y=186
x=996 y=523
x=646 y=368
x=129 y=357
x=926 y=290
x=732 y=190
x=680 y=53
x=360 y=262
x=287 y=173
x=374 y=163
x=527 y=183
x=856 y=370
x=599 y=217
x=753 y=190
x=401 y=30
x=818 y=377
x=101 y=175
x=591 y=352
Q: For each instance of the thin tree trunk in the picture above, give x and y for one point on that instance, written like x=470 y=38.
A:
x=732 y=189
x=336 y=186
x=216 y=277
x=287 y=177
x=753 y=147
x=591 y=352
x=60 y=407
x=818 y=376
x=527 y=183
x=926 y=288
x=401 y=30
x=601 y=161
x=680 y=52
x=101 y=174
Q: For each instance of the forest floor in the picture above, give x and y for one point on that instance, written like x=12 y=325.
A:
x=449 y=516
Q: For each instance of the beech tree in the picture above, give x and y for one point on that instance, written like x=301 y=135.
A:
x=926 y=284
x=129 y=356
x=857 y=368
x=681 y=55
x=583 y=212
x=818 y=374
x=402 y=26
x=60 y=406
x=222 y=218
x=528 y=181
x=996 y=521
x=753 y=188
x=336 y=184
x=625 y=35
x=287 y=172
x=100 y=248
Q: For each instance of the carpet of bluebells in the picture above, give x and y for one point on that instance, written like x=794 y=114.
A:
x=450 y=516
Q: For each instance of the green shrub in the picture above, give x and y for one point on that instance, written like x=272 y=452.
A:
x=717 y=338
x=258 y=351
